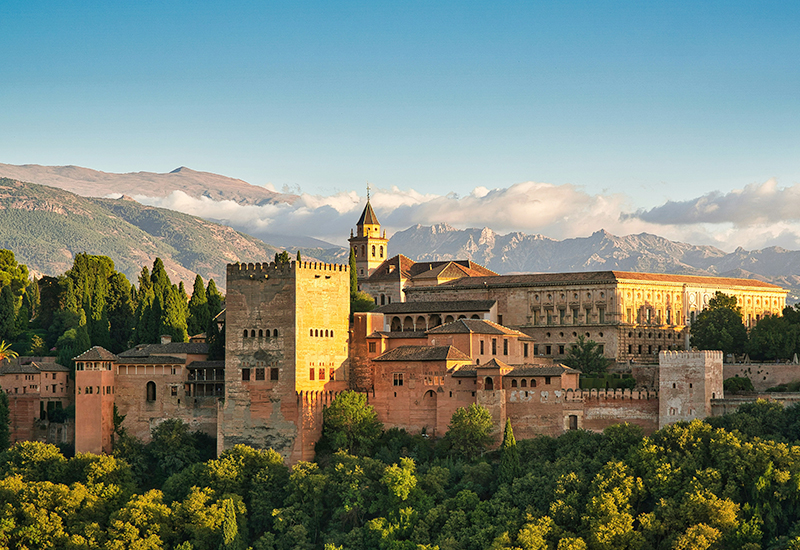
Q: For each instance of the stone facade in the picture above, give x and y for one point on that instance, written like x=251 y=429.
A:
x=286 y=354
x=633 y=316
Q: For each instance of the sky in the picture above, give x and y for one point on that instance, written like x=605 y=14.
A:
x=561 y=118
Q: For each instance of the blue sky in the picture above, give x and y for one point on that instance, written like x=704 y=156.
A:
x=653 y=101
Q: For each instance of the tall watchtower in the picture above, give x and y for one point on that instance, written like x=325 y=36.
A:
x=368 y=244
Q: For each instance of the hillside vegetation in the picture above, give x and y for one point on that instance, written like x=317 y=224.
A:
x=46 y=227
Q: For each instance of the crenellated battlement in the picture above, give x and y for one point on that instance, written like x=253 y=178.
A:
x=616 y=394
x=683 y=358
x=266 y=270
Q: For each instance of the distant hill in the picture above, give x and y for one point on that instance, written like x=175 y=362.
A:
x=46 y=227
x=93 y=183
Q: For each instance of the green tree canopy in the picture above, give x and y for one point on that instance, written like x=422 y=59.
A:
x=586 y=356
x=199 y=317
x=720 y=327
x=469 y=433
x=351 y=424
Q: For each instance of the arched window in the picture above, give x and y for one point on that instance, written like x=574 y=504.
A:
x=260 y=333
x=316 y=332
x=245 y=333
x=533 y=383
x=488 y=384
x=373 y=250
x=311 y=332
x=331 y=334
x=253 y=333
x=513 y=383
x=355 y=251
x=275 y=333
x=381 y=252
x=326 y=333
x=151 y=391
x=523 y=383
x=383 y=299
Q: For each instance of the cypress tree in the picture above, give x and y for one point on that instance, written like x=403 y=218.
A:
x=7 y=316
x=216 y=341
x=353 y=273
x=198 y=309
x=121 y=314
x=509 y=456
x=173 y=321
x=214 y=298
x=299 y=259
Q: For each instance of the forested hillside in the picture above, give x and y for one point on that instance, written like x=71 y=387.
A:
x=47 y=227
x=695 y=486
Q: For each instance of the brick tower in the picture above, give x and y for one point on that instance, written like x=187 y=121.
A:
x=369 y=245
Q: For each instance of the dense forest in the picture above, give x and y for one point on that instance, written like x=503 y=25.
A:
x=92 y=304
x=732 y=482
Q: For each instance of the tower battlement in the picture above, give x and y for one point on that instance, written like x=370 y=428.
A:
x=688 y=358
x=242 y=271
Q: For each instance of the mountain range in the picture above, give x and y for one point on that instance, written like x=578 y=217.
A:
x=45 y=227
x=133 y=234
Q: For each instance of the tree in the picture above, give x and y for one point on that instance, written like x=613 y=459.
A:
x=586 y=356
x=509 y=456
x=299 y=258
x=353 y=273
x=469 y=433
x=198 y=308
x=7 y=315
x=215 y=299
x=6 y=352
x=720 y=327
x=351 y=424
x=282 y=258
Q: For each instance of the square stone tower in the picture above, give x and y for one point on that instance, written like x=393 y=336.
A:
x=687 y=382
x=286 y=335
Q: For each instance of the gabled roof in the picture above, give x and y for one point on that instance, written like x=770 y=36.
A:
x=96 y=353
x=396 y=266
x=146 y=350
x=368 y=216
x=476 y=326
x=493 y=363
x=592 y=277
x=438 y=306
x=24 y=365
x=423 y=353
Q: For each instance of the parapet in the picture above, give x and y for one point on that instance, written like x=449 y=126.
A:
x=241 y=271
x=685 y=358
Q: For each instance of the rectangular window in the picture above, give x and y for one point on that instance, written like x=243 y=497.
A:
x=397 y=379
x=372 y=347
x=648 y=314
x=535 y=317
x=601 y=348
x=174 y=391
x=547 y=380
x=499 y=319
x=562 y=313
x=273 y=373
x=548 y=350
x=536 y=349
x=505 y=346
x=601 y=315
x=669 y=317
x=549 y=317
x=630 y=316
x=525 y=349
x=481 y=347
x=245 y=375
x=259 y=374
x=494 y=346
x=575 y=316
x=311 y=374
x=322 y=374
x=561 y=349
x=330 y=374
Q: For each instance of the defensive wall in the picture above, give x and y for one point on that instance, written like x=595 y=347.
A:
x=764 y=375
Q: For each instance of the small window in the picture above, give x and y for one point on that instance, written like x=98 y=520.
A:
x=505 y=346
x=330 y=374
x=546 y=380
x=322 y=374
x=260 y=333
x=245 y=375
x=524 y=383
x=513 y=383
x=573 y=422
x=275 y=333
x=373 y=250
x=151 y=391
x=481 y=347
x=533 y=382
x=259 y=374
x=253 y=333
x=397 y=379
x=525 y=349
x=273 y=373
x=372 y=347
x=245 y=333
x=310 y=374
x=311 y=332
x=173 y=391
x=494 y=346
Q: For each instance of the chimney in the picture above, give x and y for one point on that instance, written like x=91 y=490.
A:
x=166 y=339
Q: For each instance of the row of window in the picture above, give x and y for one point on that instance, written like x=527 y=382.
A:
x=261 y=373
x=320 y=332
x=549 y=317
x=640 y=348
x=397 y=380
x=647 y=316
x=376 y=252
x=104 y=390
x=575 y=296
x=562 y=349
x=321 y=372
x=262 y=333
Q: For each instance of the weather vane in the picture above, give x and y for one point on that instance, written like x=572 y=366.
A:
x=367 y=191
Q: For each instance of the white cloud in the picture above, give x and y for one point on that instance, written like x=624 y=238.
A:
x=753 y=217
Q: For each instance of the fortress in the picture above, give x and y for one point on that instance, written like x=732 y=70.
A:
x=445 y=335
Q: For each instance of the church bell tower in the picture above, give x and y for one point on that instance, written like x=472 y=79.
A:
x=368 y=244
